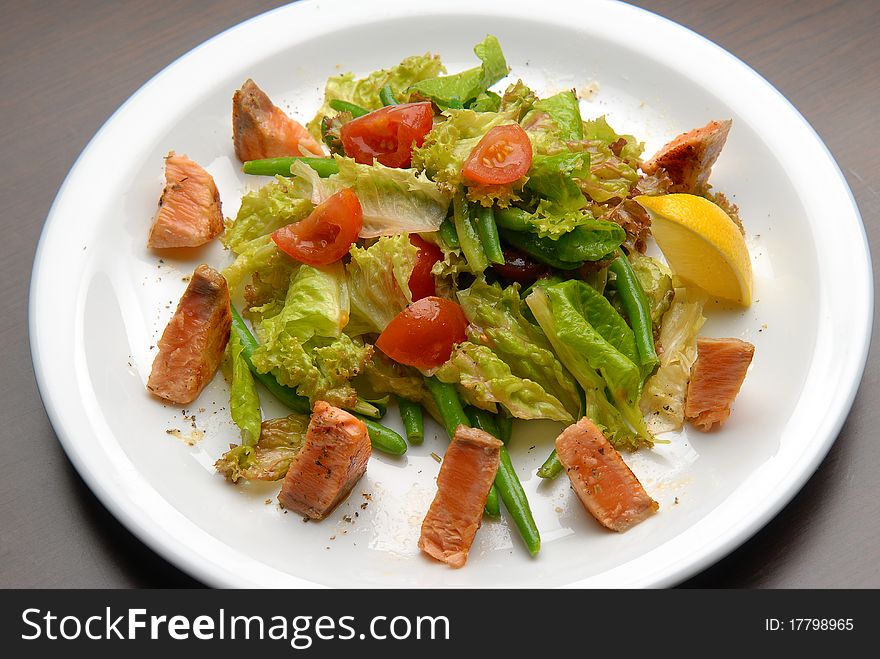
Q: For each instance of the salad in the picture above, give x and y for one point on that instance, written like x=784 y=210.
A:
x=466 y=250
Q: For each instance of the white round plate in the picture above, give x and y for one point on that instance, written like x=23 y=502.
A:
x=100 y=299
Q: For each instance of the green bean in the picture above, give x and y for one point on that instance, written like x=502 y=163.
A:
x=514 y=497
x=451 y=411
x=344 y=106
x=284 y=394
x=483 y=420
x=448 y=234
x=540 y=249
x=468 y=236
x=505 y=427
x=492 y=507
x=375 y=409
x=382 y=438
x=386 y=95
x=551 y=467
x=413 y=420
x=488 y=230
x=512 y=219
x=281 y=166
x=638 y=309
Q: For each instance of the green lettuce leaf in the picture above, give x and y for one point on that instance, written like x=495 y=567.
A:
x=498 y=321
x=656 y=280
x=588 y=336
x=486 y=380
x=263 y=211
x=244 y=402
x=262 y=257
x=486 y=102
x=365 y=91
x=598 y=129
x=564 y=110
x=459 y=89
x=384 y=376
x=590 y=240
x=317 y=304
x=553 y=177
x=378 y=282
x=517 y=100
x=614 y=161
x=451 y=141
x=393 y=200
x=280 y=440
x=663 y=397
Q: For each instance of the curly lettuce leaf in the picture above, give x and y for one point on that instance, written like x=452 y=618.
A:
x=244 y=401
x=263 y=211
x=393 y=200
x=598 y=129
x=488 y=381
x=280 y=440
x=261 y=257
x=588 y=335
x=451 y=141
x=365 y=91
x=498 y=322
x=317 y=304
x=656 y=280
x=461 y=88
x=663 y=397
x=378 y=282
x=517 y=100
x=614 y=162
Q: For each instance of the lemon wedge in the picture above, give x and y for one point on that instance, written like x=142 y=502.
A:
x=702 y=244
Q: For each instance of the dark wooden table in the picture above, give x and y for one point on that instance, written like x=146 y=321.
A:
x=68 y=64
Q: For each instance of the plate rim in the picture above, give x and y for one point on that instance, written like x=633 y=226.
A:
x=179 y=553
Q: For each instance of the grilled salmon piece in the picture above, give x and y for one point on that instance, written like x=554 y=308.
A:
x=688 y=159
x=332 y=460
x=262 y=130
x=189 y=212
x=716 y=379
x=602 y=480
x=466 y=475
x=193 y=342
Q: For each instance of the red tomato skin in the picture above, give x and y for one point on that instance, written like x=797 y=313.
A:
x=423 y=334
x=503 y=156
x=421 y=281
x=327 y=234
x=388 y=134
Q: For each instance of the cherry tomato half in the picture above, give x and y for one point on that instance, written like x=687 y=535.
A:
x=327 y=234
x=422 y=335
x=388 y=134
x=421 y=281
x=503 y=156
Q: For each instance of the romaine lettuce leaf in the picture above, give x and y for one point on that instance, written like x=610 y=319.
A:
x=664 y=393
x=459 y=89
x=590 y=240
x=378 y=282
x=244 y=402
x=588 y=336
x=365 y=91
x=486 y=102
x=486 y=380
x=271 y=207
x=393 y=200
x=498 y=322
x=280 y=440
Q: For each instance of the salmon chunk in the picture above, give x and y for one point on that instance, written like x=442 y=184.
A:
x=332 y=460
x=262 y=130
x=716 y=379
x=193 y=342
x=602 y=480
x=688 y=159
x=189 y=212
x=466 y=475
